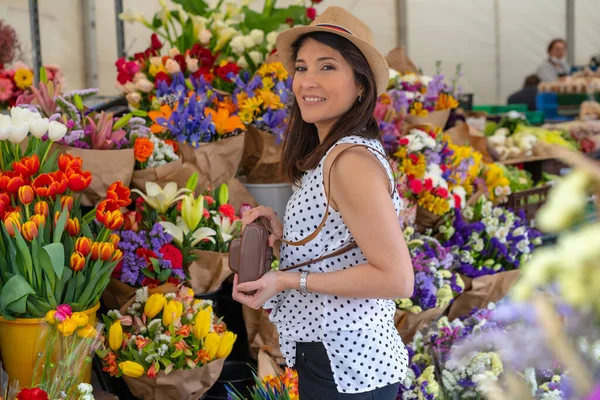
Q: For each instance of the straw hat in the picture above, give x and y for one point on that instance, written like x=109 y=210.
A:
x=338 y=21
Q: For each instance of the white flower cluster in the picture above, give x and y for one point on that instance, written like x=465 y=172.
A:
x=23 y=121
x=250 y=44
x=476 y=367
x=419 y=140
x=85 y=391
x=162 y=154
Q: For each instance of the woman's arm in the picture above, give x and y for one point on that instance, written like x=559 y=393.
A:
x=360 y=191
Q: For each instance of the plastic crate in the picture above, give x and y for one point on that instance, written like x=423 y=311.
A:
x=529 y=201
x=496 y=109
x=535 y=117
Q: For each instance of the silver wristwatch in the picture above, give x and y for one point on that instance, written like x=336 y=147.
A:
x=303 y=288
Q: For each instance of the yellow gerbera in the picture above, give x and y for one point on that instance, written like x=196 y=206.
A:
x=247 y=116
x=279 y=71
x=270 y=99
x=253 y=104
x=264 y=70
x=268 y=83
x=23 y=78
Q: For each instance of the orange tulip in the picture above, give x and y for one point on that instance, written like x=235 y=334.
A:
x=83 y=245
x=38 y=219
x=119 y=193
x=73 y=227
x=106 y=251
x=11 y=181
x=78 y=179
x=117 y=255
x=57 y=216
x=45 y=186
x=95 y=250
x=12 y=225
x=114 y=220
x=114 y=239
x=29 y=230
x=66 y=161
x=77 y=261
x=105 y=207
x=66 y=201
x=41 y=207
x=61 y=181
x=27 y=166
x=26 y=194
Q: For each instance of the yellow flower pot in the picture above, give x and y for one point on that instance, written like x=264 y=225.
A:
x=20 y=343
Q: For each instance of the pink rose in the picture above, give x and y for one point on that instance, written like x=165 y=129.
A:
x=172 y=67
x=192 y=64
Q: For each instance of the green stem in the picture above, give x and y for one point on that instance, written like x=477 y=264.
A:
x=45 y=154
x=269 y=7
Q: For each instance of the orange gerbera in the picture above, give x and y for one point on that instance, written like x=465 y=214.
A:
x=224 y=123
x=142 y=149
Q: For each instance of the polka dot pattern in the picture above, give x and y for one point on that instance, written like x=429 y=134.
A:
x=363 y=345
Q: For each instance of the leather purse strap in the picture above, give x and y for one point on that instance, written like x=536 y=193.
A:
x=313 y=235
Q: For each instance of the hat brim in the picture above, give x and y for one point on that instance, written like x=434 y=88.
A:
x=376 y=60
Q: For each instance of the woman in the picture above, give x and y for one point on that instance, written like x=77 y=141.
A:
x=334 y=322
x=555 y=66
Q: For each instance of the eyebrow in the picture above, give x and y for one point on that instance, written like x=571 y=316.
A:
x=318 y=59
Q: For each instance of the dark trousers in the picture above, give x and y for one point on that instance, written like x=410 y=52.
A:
x=315 y=377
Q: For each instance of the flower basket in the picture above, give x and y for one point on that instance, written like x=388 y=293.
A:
x=178 y=385
x=435 y=118
x=208 y=272
x=262 y=157
x=481 y=291
x=21 y=341
x=409 y=323
x=106 y=167
x=216 y=162
x=262 y=334
x=118 y=294
x=157 y=174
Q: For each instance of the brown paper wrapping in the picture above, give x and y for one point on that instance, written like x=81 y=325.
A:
x=106 y=167
x=208 y=271
x=409 y=323
x=481 y=291
x=435 y=118
x=267 y=364
x=398 y=60
x=178 y=385
x=262 y=157
x=425 y=219
x=215 y=162
x=262 y=334
x=157 y=175
x=119 y=295
x=463 y=135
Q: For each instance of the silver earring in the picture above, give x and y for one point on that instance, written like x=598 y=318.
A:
x=360 y=98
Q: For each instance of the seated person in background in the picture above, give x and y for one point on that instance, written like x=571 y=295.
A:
x=526 y=95
x=556 y=66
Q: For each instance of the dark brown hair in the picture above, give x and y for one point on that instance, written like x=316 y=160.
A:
x=302 y=150
x=555 y=41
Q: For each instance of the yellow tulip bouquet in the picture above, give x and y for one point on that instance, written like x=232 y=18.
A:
x=164 y=334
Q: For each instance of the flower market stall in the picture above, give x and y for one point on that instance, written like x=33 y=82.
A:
x=115 y=227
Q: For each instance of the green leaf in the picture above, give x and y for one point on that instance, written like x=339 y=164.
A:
x=176 y=354
x=25 y=255
x=37 y=307
x=149 y=273
x=195 y=7
x=50 y=163
x=54 y=255
x=14 y=295
x=50 y=294
x=164 y=275
x=89 y=290
x=155 y=264
x=156 y=22
x=60 y=286
x=70 y=295
x=60 y=226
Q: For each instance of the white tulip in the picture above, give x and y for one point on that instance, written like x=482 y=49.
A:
x=38 y=127
x=256 y=57
x=248 y=42
x=257 y=36
x=19 y=131
x=20 y=114
x=5 y=126
x=56 y=131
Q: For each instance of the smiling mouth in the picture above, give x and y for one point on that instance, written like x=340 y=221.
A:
x=313 y=99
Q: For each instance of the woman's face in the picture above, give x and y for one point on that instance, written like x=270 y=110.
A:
x=324 y=84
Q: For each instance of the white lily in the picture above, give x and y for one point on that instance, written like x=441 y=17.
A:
x=161 y=199
x=228 y=229
x=181 y=230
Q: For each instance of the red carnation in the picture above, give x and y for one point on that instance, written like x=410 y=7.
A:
x=416 y=186
x=311 y=13
x=181 y=61
x=155 y=42
x=428 y=184
x=404 y=141
x=204 y=55
x=172 y=253
x=145 y=254
x=442 y=192
x=414 y=158
x=444 y=167
x=228 y=211
x=32 y=394
x=224 y=71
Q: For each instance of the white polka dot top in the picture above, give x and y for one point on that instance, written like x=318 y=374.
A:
x=364 y=347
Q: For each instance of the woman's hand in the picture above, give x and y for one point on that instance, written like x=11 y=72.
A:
x=266 y=287
x=276 y=226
